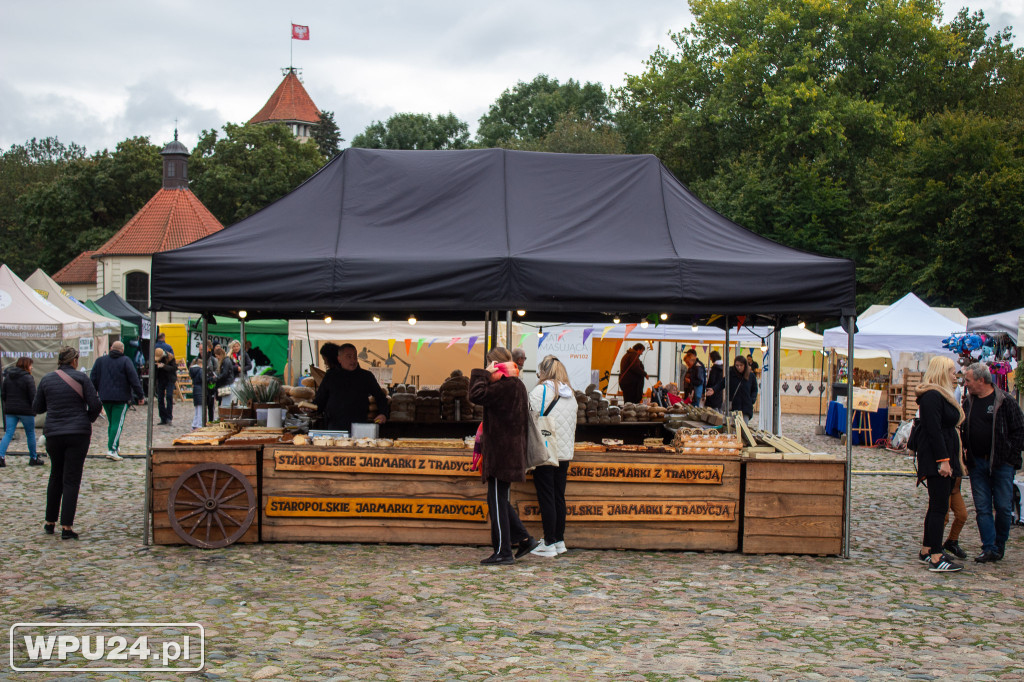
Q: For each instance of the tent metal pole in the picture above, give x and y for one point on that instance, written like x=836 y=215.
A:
x=508 y=329
x=777 y=379
x=487 y=335
x=726 y=364
x=241 y=351
x=494 y=328
x=204 y=355
x=852 y=320
x=149 y=432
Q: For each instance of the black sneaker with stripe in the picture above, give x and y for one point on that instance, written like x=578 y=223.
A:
x=945 y=564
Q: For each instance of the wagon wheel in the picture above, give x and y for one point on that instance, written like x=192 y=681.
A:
x=211 y=505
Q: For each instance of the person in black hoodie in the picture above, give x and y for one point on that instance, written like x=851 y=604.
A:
x=17 y=391
x=71 y=404
x=344 y=393
x=716 y=382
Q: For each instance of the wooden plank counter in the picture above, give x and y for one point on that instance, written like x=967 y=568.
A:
x=169 y=463
x=793 y=507
x=615 y=500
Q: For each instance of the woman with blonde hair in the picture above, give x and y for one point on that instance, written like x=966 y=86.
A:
x=938 y=456
x=554 y=397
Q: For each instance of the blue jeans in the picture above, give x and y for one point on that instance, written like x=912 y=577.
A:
x=992 y=492
x=698 y=393
x=10 y=422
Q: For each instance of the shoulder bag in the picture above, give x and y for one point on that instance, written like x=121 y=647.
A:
x=538 y=432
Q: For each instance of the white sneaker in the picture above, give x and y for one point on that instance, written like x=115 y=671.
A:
x=114 y=456
x=559 y=546
x=544 y=550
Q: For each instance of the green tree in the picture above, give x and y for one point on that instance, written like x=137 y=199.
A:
x=573 y=135
x=326 y=135
x=86 y=203
x=529 y=111
x=949 y=215
x=249 y=167
x=24 y=168
x=415 y=131
x=780 y=113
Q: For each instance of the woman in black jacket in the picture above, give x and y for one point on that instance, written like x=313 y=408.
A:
x=17 y=391
x=742 y=387
x=70 y=401
x=938 y=455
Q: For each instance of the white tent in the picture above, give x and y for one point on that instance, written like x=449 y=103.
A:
x=954 y=315
x=53 y=293
x=29 y=325
x=345 y=330
x=1008 y=322
x=908 y=326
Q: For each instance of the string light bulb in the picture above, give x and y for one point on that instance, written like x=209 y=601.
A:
x=664 y=316
x=520 y=313
x=376 y=318
x=242 y=314
x=764 y=347
x=644 y=324
x=328 y=319
x=694 y=327
x=412 y=319
x=616 y=320
x=802 y=324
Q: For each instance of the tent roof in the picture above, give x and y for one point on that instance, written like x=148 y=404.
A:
x=128 y=329
x=999 y=322
x=53 y=293
x=954 y=315
x=447 y=234
x=117 y=306
x=27 y=315
x=908 y=325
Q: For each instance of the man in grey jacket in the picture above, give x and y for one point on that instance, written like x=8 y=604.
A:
x=117 y=384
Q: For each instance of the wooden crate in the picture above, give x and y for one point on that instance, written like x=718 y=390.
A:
x=793 y=507
x=910 y=382
x=169 y=463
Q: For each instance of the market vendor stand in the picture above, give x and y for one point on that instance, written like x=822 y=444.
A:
x=445 y=235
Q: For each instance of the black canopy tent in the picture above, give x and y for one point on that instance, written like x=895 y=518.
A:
x=118 y=307
x=566 y=237
x=445 y=235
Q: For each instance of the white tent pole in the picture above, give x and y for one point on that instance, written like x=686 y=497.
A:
x=777 y=379
x=852 y=320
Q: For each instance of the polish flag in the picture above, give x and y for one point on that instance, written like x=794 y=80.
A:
x=300 y=32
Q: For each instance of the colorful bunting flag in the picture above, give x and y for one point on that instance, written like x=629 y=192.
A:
x=586 y=333
x=453 y=341
x=408 y=347
x=800 y=352
x=562 y=335
x=739 y=322
x=629 y=328
x=713 y=318
x=431 y=342
x=419 y=345
x=472 y=340
x=522 y=338
x=543 y=335
x=391 y=347
x=606 y=330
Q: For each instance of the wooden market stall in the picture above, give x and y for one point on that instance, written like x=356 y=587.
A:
x=447 y=235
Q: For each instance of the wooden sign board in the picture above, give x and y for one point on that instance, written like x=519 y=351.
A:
x=638 y=510
x=866 y=399
x=709 y=474
x=369 y=462
x=377 y=508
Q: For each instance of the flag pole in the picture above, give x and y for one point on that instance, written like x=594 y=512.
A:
x=291 y=50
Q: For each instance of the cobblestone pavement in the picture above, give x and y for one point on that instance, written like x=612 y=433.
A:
x=376 y=612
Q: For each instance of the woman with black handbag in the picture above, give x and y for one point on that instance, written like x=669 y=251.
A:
x=72 y=405
x=937 y=441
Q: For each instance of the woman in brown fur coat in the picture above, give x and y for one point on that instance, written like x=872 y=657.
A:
x=506 y=409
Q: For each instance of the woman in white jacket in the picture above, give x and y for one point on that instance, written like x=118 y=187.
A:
x=550 y=480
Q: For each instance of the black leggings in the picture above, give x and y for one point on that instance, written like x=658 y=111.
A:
x=939 y=490
x=67 y=459
x=550 y=484
x=506 y=528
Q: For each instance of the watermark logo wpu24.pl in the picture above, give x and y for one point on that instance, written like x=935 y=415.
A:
x=107 y=647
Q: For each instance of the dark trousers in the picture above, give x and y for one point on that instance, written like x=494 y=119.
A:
x=67 y=459
x=550 y=484
x=211 y=398
x=165 y=399
x=506 y=528
x=939 y=489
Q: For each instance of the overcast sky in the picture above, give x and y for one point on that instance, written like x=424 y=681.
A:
x=96 y=73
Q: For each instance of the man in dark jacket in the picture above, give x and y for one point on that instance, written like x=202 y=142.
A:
x=117 y=384
x=344 y=393
x=632 y=374
x=17 y=391
x=695 y=377
x=993 y=435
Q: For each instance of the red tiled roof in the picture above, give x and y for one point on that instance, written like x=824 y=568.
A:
x=290 y=102
x=172 y=218
x=81 y=270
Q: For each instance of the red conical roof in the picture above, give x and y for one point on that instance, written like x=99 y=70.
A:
x=290 y=102
x=172 y=218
